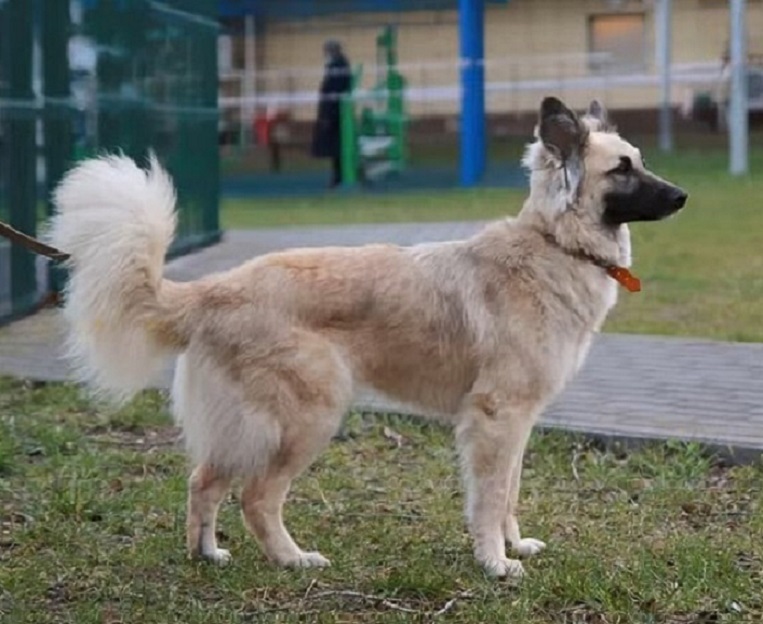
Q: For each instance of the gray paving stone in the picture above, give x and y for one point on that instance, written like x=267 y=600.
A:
x=632 y=387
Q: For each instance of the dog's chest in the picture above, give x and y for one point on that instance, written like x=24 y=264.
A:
x=581 y=345
x=569 y=339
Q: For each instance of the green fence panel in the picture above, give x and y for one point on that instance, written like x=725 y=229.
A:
x=58 y=112
x=18 y=283
x=153 y=86
x=158 y=91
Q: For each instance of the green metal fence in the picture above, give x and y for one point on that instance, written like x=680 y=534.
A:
x=133 y=76
x=17 y=158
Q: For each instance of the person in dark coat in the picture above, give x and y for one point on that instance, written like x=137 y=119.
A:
x=327 y=132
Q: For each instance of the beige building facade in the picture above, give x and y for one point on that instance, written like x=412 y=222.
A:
x=574 y=48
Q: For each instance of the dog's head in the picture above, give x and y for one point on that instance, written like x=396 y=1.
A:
x=582 y=164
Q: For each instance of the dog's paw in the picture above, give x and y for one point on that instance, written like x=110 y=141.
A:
x=308 y=560
x=219 y=556
x=528 y=547
x=503 y=568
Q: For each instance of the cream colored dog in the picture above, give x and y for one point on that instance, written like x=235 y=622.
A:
x=483 y=332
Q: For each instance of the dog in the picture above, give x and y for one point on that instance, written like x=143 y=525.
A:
x=482 y=333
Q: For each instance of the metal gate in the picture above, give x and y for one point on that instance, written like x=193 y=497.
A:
x=101 y=75
x=18 y=116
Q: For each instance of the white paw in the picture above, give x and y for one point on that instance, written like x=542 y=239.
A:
x=309 y=560
x=503 y=567
x=528 y=547
x=219 y=556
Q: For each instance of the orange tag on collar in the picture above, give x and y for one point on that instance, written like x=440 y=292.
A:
x=626 y=279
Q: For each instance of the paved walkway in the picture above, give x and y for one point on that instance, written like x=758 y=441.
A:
x=632 y=387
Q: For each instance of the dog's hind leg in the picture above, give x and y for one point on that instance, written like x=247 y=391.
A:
x=206 y=490
x=524 y=547
x=263 y=496
x=305 y=386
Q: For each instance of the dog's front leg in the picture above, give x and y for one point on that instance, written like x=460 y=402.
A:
x=490 y=438
x=528 y=546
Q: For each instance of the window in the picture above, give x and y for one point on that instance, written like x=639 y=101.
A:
x=617 y=43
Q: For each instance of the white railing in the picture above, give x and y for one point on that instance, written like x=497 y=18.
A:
x=436 y=82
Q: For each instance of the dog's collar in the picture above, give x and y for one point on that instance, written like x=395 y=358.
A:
x=621 y=275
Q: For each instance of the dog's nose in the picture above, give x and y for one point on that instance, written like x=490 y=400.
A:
x=679 y=198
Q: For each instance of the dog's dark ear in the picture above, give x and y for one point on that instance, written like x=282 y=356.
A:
x=560 y=129
x=598 y=114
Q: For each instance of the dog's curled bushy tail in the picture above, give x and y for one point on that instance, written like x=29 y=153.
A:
x=117 y=222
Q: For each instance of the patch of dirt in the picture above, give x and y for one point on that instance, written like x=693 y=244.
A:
x=143 y=438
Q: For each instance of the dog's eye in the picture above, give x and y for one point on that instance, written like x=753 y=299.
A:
x=625 y=166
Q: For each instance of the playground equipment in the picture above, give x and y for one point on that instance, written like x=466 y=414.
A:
x=374 y=144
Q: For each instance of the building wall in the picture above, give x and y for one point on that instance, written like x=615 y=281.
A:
x=526 y=40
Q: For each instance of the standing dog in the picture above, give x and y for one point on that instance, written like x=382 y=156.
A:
x=484 y=332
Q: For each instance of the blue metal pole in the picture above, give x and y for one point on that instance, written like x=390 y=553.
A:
x=472 y=36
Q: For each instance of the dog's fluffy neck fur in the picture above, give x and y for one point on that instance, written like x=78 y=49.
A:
x=552 y=209
x=605 y=245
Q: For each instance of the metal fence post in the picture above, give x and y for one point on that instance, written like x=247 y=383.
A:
x=663 y=18
x=209 y=73
x=18 y=163
x=58 y=109
x=738 y=105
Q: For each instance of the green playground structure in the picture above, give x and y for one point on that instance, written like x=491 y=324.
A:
x=374 y=143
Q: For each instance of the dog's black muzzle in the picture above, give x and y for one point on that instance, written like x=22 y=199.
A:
x=649 y=198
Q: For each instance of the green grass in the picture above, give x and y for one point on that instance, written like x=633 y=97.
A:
x=341 y=208
x=91 y=529
x=702 y=272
